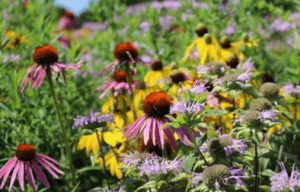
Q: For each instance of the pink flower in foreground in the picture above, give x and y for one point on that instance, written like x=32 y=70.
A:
x=119 y=82
x=156 y=106
x=45 y=56
x=26 y=156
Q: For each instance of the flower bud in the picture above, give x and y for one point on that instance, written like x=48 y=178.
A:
x=207 y=38
x=216 y=68
x=215 y=173
x=216 y=146
x=269 y=90
x=251 y=118
x=245 y=37
x=260 y=104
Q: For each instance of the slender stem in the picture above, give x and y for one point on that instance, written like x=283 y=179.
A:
x=197 y=147
x=65 y=138
x=294 y=135
x=147 y=181
x=128 y=73
x=256 y=167
x=165 y=152
x=124 y=109
x=102 y=156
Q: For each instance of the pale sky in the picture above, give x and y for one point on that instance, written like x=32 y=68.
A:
x=77 y=6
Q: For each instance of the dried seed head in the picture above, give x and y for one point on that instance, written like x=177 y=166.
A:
x=267 y=77
x=177 y=76
x=216 y=146
x=157 y=65
x=120 y=76
x=260 y=104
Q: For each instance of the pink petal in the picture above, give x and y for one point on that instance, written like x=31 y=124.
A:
x=47 y=168
x=108 y=89
x=108 y=66
x=147 y=125
x=29 y=175
x=63 y=74
x=40 y=174
x=49 y=158
x=55 y=68
x=104 y=86
x=13 y=177
x=169 y=133
x=21 y=175
x=3 y=169
x=51 y=165
x=7 y=171
x=133 y=129
x=159 y=134
x=153 y=130
x=142 y=129
x=27 y=78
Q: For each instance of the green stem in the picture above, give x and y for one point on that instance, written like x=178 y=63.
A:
x=197 y=147
x=294 y=134
x=102 y=156
x=65 y=138
x=256 y=166
x=128 y=74
x=165 y=152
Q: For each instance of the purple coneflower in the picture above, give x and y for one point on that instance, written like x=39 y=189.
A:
x=119 y=82
x=45 y=56
x=26 y=156
x=68 y=21
x=156 y=106
x=281 y=181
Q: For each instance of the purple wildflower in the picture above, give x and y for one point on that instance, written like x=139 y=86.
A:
x=280 y=26
x=244 y=77
x=289 y=41
x=269 y=114
x=107 y=190
x=91 y=118
x=145 y=26
x=230 y=29
x=158 y=166
x=248 y=65
x=290 y=89
x=281 y=181
x=11 y=57
x=185 y=106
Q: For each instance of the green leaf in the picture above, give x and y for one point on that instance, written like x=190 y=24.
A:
x=165 y=125
x=160 y=183
x=84 y=169
x=147 y=185
x=202 y=139
x=189 y=161
x=74 y=189
x=266 y=188
x=217 y=112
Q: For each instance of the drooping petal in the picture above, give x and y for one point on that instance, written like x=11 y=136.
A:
x=49 y=158
x=27 y=78
x=13 y=177
x=29 y=175
x=21 y=175
x=7 y=170
x=40 y=174
x=154 y=121
x=169 y=133
x=147 y=125
x=47 y=168
x=159 y=134
x=50 y=165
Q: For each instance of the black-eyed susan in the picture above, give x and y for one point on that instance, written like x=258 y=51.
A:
x=206 y=44
x=16 y=39
x=113 y=159
x=142 y=92
x=180 y=80
x=228 y=48
x=246 y=41
x=115 y=103
x=158 y=72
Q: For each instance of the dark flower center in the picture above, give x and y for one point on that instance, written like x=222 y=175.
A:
x=68 y=14
x=157 y=104
x=225 y=42
x=121 y=51
x=157 y=65
x=26 y=152
x=267 y=77
x=150 y=148
x=45 y=54
x=232 y=61
x=201 y=30
x=120 y=76
x=177 y=77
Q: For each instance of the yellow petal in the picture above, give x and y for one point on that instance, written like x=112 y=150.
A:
x=82 y=142
x=119 y=173
x=203 y=57
x=89 y=144
x=95 y=144
x=110 y=138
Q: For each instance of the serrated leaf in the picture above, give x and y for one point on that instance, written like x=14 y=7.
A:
x=147 y=185
x=266 y=188
x=189 y=161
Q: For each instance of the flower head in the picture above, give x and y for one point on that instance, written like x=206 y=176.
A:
x=91 y=118
x=269 y=90
x=252 y=118
x=290 y=89
x=68 y=20
x=45 y=56
x=281 y=181
x=122 y=50
x=216 y=68
x=185 y=106
x=27 y=157
x=156 y=106
x=119 y=82
x=232 y=61
x=219 y=175
x=260 y=104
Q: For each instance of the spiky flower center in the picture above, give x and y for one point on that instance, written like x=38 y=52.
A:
x=225 y=42
x=230 y=78
x=177 y=76
x=157 y=104
x=251 y=118
x=45 y=54
x=68 y=14
x=201 y=30
x=207 y=38
x=269 y=90
x=267 y=77
x=215 y=173
x=26 y=152
x=142 y=85
x=122 y=49
x=120 y=76
x=216 y=68
x=157 y=65
x=232 y=61
x=216 y=146
x=260 y=104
